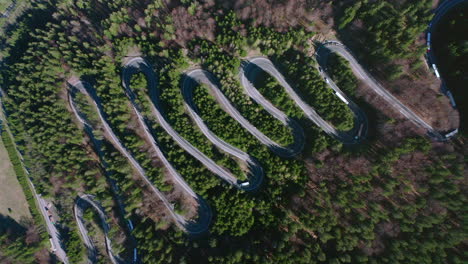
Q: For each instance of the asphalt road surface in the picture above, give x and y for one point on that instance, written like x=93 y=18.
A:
x=254 y=66
x=334 y=46
x=51 y=229
x=139 y=65
x=80 y=206
x=199 y=75
x=97 y=146
x=204 y=210
x=361 y=124
x=191 y=80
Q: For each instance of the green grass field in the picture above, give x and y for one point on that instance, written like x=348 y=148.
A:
x=12 y=200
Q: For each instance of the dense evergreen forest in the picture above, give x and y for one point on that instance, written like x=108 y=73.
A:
x=387 y=37
x=388 y=31
x=396 y=198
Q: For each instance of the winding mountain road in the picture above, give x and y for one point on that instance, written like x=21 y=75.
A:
x=361 y=123
x=256 y=175
x=247 y=73
x=200 y=76
x=337 y=47
x=97 y=146
x=92 y=251
x=136 y=65
x=190 y=81
x=191 y=227
x=253 y=67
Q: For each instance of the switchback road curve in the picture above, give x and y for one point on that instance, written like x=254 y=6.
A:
x=253 y=66
x=190 y=81
x=79 y=208
x=200 y=76
x=204 y=211
x=337 y=47
x=361 y=123
x=97 y=147
x=136 y=65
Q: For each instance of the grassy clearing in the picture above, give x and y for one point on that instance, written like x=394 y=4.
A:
x=12 y=200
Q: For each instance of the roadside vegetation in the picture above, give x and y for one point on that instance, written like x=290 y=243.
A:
x=275 y=93
x=388 y=38
x=341 y=73
x=13 y=201
x=301 y=69
x=4 y=5
x=10 y=10
x=388 y=30
x=20 y=243
x=22 y=178
x=189 y=132
x=393 y=204
x=25 y=241
x=225 y=67
x=93 y=225
x=397 y=199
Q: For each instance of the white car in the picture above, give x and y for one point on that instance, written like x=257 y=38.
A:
x=245 y=184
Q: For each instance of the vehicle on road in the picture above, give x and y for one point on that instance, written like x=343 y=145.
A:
x=381 y=91
x=436 y=71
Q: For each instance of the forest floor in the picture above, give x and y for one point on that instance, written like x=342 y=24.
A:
x=12 y=200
